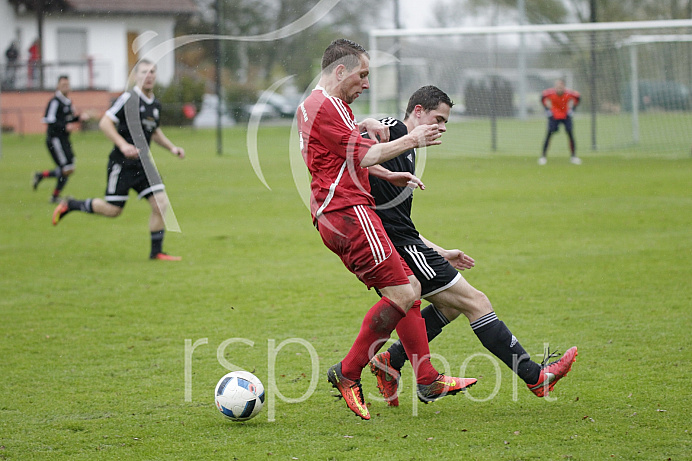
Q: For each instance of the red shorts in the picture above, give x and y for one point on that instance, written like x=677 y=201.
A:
x=358 y=237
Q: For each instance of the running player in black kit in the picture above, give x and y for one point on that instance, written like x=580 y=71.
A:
x=59 y=114
x=436 y=267
x=125 y=166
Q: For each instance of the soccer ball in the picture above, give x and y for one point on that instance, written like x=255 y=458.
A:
x=239 y=395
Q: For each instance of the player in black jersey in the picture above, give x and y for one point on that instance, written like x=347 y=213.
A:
x=436 y=268
x=132 y=123
x=59 y=114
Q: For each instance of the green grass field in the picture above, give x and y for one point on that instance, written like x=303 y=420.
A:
x=93 y=334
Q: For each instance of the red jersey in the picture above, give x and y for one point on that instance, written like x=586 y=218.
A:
x=333 y=148
x=559 y=103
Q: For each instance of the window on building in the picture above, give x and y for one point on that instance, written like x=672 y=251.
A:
x=72 y=45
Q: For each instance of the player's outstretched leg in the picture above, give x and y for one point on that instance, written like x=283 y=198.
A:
x=553 y=372
x=38 y=176
x=69 y=204
x=350 y=390
x=60 y=211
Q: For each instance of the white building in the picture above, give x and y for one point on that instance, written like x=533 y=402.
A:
x=95 y=42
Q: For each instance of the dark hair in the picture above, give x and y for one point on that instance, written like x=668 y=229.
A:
x=342 y=51
x=428 y=97
x=63 y=77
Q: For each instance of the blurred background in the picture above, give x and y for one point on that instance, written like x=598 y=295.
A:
x=494 y=57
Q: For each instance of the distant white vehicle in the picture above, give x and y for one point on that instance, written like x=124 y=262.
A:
x=263 y=110
x=206 y=118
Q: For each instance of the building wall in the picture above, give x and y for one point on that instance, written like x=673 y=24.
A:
x=7 y=20
x=106 y=44
x=22 y=112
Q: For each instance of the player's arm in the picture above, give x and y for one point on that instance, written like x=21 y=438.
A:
x=107 y=126
x=548 y=109
x=421 y=136
x=79 y=116
x=398 y=178
x=457 y=258
x=50 y=116
x=71 y=118
x=159 y=138
x=375 y=129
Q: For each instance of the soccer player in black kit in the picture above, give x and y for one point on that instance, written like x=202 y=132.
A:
x=436 y=268
x=59 y=114
x=125 y=166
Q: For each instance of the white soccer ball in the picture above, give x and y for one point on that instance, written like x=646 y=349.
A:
x=239 y=395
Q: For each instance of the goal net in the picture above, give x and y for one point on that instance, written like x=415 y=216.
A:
x=634 y=79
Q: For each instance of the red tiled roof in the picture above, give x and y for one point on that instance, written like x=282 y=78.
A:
x=132 y=6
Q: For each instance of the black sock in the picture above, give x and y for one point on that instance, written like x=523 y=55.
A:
x=56 y=173
x=156 y=242
x=497 y=338
x=434 y=322
x=62 y=180
x=79 y=205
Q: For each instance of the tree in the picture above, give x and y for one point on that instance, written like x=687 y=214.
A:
x=257 y=64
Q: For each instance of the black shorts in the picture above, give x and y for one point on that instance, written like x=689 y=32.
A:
x=61 y=151
x=434 y=272
x=554 y=124
x=122 y=178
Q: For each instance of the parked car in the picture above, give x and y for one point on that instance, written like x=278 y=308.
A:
x=666 y=95
x=264 y=110
x=286 y=107
x=207 y=116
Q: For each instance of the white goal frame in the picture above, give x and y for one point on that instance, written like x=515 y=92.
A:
x=632 y=43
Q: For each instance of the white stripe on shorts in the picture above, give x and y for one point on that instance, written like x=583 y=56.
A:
x=376 y=247
x=442 y=288
x=420 y=262
x=113 y=179
x=150 y=189
x=116 y=198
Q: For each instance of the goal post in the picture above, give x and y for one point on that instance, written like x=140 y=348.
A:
x=641 y=82
x=633 y=43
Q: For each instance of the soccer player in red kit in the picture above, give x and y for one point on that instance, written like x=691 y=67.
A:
x=341 y=205
x=559 y=104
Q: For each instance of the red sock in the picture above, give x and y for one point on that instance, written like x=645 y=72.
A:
x=376 y=328
x=413 y=336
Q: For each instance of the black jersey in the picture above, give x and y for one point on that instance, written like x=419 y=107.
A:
x=58 y=114
x=147 y=116
x=393 y=204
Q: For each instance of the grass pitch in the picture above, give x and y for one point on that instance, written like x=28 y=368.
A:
x=93 y=335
